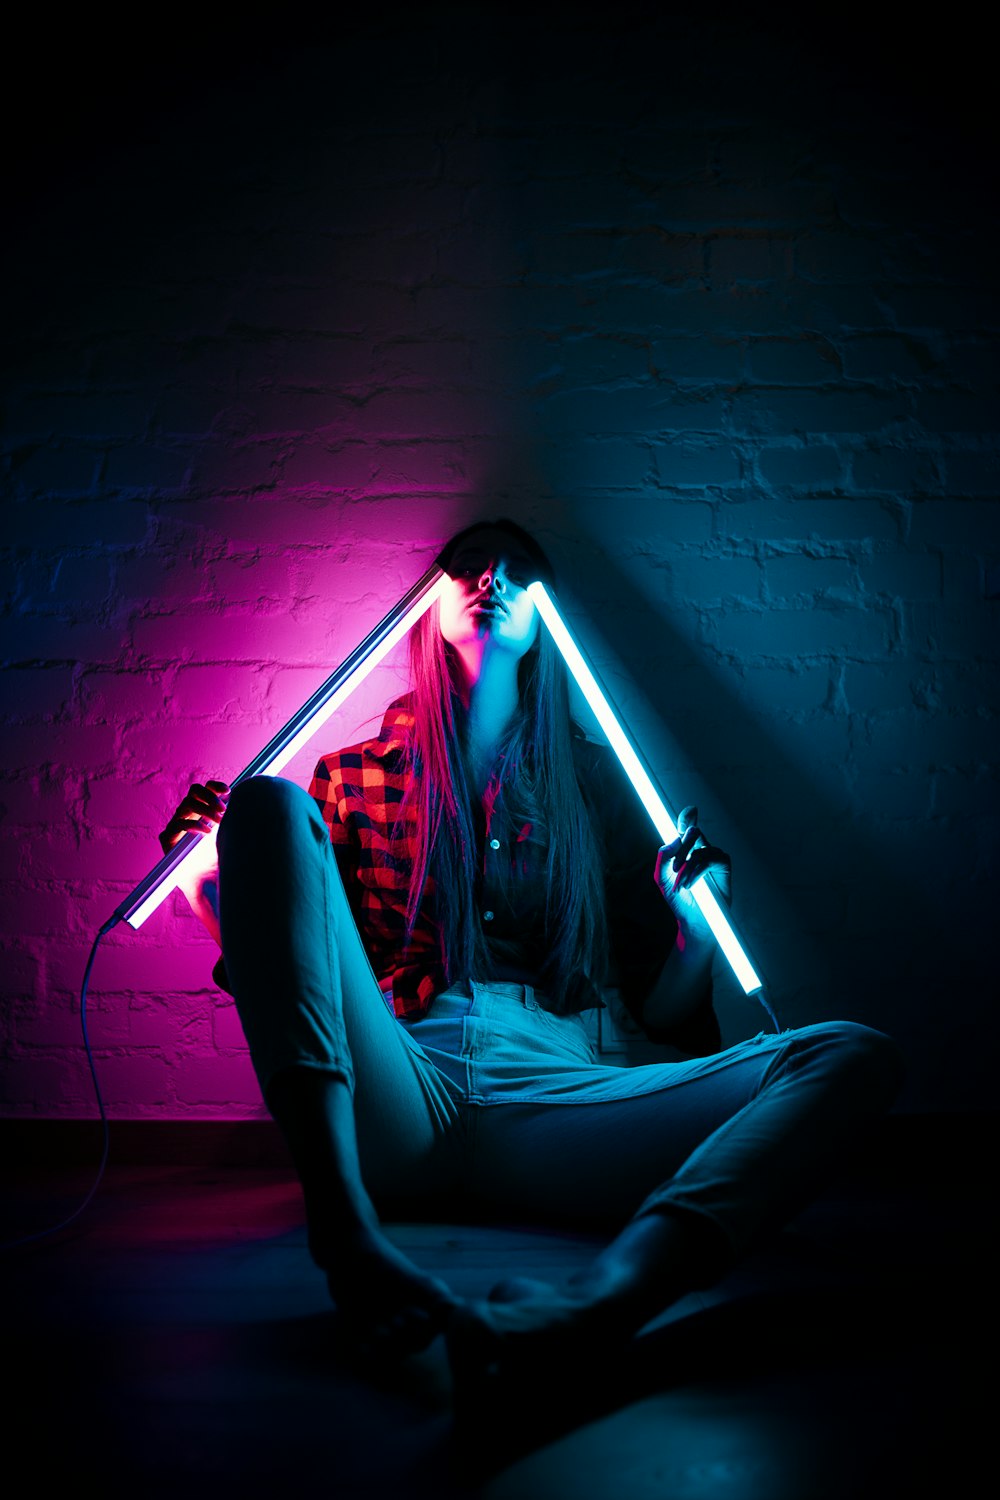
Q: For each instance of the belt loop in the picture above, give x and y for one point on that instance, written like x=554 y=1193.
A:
x=530 y=1003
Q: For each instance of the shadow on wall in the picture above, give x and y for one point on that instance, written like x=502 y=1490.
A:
x=803 y=852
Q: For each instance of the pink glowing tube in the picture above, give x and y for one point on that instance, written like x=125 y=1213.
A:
x=162 y=879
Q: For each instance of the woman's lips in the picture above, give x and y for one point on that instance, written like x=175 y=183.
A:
x=488 y=607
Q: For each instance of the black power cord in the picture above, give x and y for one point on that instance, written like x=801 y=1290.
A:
x=42 y=1234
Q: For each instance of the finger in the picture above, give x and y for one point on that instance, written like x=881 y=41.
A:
x=686 y=817
x=203 y=802
x=691 y=836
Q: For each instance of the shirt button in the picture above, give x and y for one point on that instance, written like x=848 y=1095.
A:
x=487 y=916
x=494 y=843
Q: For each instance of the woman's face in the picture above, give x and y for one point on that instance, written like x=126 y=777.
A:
x=486 y=594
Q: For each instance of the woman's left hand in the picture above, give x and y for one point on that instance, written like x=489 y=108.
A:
x=680 y=864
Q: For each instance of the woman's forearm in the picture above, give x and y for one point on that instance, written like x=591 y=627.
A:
x=202 y=895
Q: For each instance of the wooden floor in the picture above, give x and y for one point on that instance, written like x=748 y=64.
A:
x=177 y=1341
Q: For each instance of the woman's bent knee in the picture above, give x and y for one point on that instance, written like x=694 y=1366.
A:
x=863 y=1059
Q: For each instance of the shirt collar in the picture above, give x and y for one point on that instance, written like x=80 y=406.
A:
x=394 y=736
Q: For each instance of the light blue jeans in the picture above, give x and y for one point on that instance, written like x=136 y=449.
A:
x=492 y=1102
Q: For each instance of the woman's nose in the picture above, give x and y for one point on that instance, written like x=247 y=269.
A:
x=493 y=576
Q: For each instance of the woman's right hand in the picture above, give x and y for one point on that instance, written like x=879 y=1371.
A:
x=200 y=812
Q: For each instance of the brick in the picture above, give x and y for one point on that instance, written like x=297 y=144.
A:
x=806 y=577
x=21 y=971
x=974 y=688
x=345 y=468
x=902 y=470
x=880 y=687
x=52 y=471
x=79 y=415
x=229 y=468
x=970 y=364
x=896 y=793
x=214 y=693
x=46 y=638
x=687 y=313
x=840 y=257
x=795 y=633
x=215 y=1080
x=704 y=580
x=418 y=414
x=147 y=468
x=955 y=411
x=30 y=693
x=32 y=913
x=957 y=523
x=697 y=359
x=110 y=803
x=201 y=635
x=32 y=746
x=124 y=1079
x=37 y=801
x=928 y=739
x=906 y=575
x=951 y=309
x=721 y=206
x=396 y=261
x=162 y=575
x=81 y=581
x=805 y=519
x=35 y=1084
x=596 y=360
x=886 y=356
x=960 y=793
x=696 y=468
x=188 y=413
x=81 y=523
x=793 y=361
x=649 y=525
x=785 y=690
x=99 y=855
x=669 y=258
x=813 y=468
x=251 y=580
x=317 y=362
x=602 y=464
x=817 y=412
x=645 y=409
x=739 y=260
x=166 y=1027
x=679 y=155
x=122 y=697
x=227 y=1032
x=973 y=473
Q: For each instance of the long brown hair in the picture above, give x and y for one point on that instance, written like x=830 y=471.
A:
x=534 y=770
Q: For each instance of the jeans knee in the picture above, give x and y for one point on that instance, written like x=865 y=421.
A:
x=866 y=1060
x=267 y=812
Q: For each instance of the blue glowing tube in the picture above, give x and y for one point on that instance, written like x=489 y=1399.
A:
x=650 y=798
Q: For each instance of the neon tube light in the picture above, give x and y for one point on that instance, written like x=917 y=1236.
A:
x=289 y=740
x=648 y=795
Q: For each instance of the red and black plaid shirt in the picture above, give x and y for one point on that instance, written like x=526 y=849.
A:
x=359 y=791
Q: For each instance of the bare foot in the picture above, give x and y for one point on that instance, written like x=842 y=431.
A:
x=530 y=1331
x=388 y=1307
